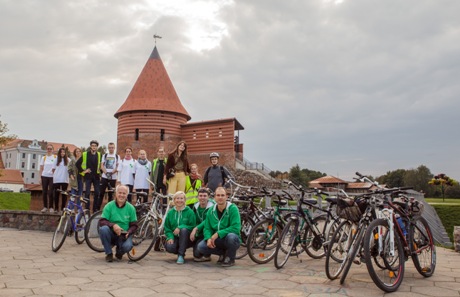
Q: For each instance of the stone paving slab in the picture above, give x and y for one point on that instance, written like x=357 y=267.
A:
x=28 y=267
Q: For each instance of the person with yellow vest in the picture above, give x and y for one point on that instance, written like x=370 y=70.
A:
x=158 y=170
x=89 y=166
x=192 y=185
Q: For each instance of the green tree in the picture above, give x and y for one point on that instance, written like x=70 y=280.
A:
x=418 y=179
x=4 y=139
x=299 y=177
x=442 y=181
x=312 y=175
x=393 y=178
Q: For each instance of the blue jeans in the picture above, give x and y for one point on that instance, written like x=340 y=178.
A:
x=224 y=246
x=180 y=243
x=109 y=239
x=196 y=253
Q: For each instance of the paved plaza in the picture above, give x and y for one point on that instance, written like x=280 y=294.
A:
x=28 y=267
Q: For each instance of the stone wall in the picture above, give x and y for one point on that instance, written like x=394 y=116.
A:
x=457 y=238
x=28 y=220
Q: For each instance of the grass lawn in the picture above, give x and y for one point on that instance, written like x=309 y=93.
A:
x=448 y=212
x=14 y=201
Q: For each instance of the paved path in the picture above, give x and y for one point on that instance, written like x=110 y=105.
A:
x=28 y=267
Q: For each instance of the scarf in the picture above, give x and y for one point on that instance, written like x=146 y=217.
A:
x=142 y=162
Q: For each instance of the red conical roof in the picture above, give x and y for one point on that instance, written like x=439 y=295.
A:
x=153 y=90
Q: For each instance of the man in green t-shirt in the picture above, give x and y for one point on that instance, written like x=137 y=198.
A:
x=117 y=224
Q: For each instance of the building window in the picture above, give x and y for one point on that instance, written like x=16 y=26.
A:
x=33 y=165
x=162 y=134
x=34 y=156
x=207 y=134
x=22 y=174
x=23 y=164
x=136 y=135
x=32 y=175
x=220 y=132
x=194 y=134
x=23 y=155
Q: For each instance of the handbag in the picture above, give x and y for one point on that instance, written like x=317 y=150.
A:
x=171 y=173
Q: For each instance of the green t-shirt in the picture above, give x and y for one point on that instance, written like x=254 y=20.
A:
x=121 y=216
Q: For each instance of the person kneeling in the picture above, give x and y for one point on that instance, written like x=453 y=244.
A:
x=222 y=230
x=117 y=224
x=179 y=223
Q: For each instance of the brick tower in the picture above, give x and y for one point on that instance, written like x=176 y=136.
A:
x=152 y=114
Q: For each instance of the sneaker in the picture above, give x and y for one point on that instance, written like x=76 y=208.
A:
x=228 y=262
x=109 y=258
x=221 y=259
x=51 y=210
x=180 y=259
x=44 y=209
x=118 y=256
x=202 y=259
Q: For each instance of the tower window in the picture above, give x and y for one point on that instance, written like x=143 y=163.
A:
x=162 y=134
x=136 y=135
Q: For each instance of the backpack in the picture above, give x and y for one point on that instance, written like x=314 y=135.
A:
x=222 y=171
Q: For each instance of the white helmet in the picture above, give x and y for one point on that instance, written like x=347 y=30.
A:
x=214 y=154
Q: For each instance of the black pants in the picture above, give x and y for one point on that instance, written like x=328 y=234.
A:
x=92 y=180
x=104 y=185
x=47 y=188
x=62 y=187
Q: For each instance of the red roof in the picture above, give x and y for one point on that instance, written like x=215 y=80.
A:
x=25 y=143
x=11 y=176
x=359 y=186
x=329 y=179
x=153 y=90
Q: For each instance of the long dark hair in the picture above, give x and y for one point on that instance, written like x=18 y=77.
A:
x=59 y=157
x=175 y=152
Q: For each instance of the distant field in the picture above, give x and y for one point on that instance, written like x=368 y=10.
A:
x=450 y=201
x=448 y=211
x=14 y=201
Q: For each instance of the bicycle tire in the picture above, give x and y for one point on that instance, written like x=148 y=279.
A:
x=262 y=241
x=423 y=250
x=337 y=250
x=246 y=226
x=144 y=238
x=286 y=243
x=80 y=227
x=376 y=244
x=61 y=232
x=314 y=245
x=92 y=233
x=354 y=248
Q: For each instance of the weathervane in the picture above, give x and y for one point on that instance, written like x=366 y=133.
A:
x=155 y=37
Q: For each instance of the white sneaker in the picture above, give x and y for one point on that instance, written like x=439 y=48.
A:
x=51 y=210
x=44 y=209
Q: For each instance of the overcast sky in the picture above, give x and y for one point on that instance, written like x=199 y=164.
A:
x=334 y=86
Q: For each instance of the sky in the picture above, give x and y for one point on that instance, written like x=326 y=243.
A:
x=333 y=86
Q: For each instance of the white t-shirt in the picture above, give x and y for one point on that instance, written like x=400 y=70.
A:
x=47 y=162
x=110 y=162
x=61 y=172
x=125 y=172
x=142 y=173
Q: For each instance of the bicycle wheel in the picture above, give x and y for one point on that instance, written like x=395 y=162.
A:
x=338 y=249
x=262 y=241
x=144 y=238
x=61 y=232
x=314 y=244
x=377 y=245
x=92 y=233
x=80 y=226
x=246 y=227
x=423 y=250
x=286 y=243
x=354 y=248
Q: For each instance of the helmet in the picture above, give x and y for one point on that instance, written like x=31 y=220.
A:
x=214 y=154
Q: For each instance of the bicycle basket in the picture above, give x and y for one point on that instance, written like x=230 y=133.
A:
x=348 y=209
x=416 y=208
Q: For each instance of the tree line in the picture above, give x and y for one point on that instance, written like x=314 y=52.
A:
x=420 y=179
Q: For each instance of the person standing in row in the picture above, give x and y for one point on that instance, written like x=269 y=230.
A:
x=142 y=171
x=126 y=171
x=216 y=175
x=60 y=177
x=176 y=169
x=46 y=178
x=192 y=185
x=75 y=179
x=158 y=171
x=89 y=166
x=109 y=165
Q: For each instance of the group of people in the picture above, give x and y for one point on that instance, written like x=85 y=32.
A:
x=102 y=172
x=209 y=226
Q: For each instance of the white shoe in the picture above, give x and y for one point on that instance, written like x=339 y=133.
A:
x=44 y=209
x=51 y=210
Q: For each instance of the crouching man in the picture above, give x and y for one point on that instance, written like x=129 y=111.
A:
x=117 y=225
x=222 y=230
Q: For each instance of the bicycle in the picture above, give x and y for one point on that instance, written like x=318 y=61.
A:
x=70 y=223
x=302 y=230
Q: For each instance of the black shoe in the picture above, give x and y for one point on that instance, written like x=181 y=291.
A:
x=109 y=258
x=228 y=262
x=119 y=256
x=221 y=259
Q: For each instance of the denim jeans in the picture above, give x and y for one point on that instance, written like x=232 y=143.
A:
x=109 y=239
x=224 y=246
x=180 y=243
